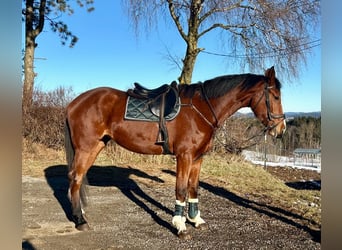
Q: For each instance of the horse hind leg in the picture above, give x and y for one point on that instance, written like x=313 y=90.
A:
x=81 y=164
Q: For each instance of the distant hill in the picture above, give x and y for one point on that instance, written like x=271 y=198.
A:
x=316 y=114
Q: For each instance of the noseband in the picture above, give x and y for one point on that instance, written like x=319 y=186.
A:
x=270 y=116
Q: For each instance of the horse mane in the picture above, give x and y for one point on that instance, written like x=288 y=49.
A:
x=222 y=85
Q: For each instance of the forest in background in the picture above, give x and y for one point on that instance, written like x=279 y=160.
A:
x=242 y=132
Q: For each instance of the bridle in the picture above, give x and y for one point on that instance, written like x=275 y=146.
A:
x=270 y=115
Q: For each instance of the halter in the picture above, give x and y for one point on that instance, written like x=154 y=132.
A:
x=270 y=116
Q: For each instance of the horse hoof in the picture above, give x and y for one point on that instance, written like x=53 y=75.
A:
x=184 y=235
x=83 y=227
x=203 y=226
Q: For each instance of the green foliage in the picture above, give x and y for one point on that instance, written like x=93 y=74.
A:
x=36 y=13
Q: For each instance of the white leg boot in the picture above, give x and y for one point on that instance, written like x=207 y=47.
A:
x=194 y=215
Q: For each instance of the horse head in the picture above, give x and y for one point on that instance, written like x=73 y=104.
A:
x=266 y=104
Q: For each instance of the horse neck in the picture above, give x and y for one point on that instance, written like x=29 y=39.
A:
x=228 y=104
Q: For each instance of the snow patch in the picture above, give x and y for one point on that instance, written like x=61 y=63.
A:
x=281 y=161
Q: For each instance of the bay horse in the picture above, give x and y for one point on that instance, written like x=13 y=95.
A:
x=97 y=116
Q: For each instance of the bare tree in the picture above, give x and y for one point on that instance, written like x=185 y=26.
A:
x=35 y=13
x=256 y=33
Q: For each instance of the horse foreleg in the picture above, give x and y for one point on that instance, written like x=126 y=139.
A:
x=194 y=214
x=182 y=176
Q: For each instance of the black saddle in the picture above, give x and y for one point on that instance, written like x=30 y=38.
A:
x=150 y=93
x=162 y=102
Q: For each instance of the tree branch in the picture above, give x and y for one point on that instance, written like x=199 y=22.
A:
x=40 y=25
x=217 y=10
x=176 y=20
x=225 y=27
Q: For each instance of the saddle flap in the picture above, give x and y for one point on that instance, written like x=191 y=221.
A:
x=168 y=105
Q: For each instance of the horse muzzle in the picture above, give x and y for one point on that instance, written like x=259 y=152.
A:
x=278 y=129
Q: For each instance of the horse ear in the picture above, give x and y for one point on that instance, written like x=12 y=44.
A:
x=270 y=73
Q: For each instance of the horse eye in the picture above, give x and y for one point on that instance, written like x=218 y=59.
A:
x=277 y=97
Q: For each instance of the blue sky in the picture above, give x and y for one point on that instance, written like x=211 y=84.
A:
x=109 y=53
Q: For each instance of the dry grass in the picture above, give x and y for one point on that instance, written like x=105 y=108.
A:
x=249 y=182
x=36 y=157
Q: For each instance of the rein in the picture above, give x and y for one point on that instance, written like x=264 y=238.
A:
x=212 y=125
x=210 y=106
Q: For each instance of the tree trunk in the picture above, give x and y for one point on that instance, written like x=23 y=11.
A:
x=29 y=73
x=192 y=50
x=188 y=64
x=31 y=34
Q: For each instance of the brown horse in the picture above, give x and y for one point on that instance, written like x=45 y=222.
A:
x=97 y=116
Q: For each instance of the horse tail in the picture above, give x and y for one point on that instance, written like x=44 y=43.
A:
x=69 y=149
x=70 y=154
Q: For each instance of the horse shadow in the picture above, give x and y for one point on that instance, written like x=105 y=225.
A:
x=305 y=185
x=273 y=212
x=108 y=176
x=26 y=245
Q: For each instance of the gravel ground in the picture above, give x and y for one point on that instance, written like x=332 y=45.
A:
x=126 y=214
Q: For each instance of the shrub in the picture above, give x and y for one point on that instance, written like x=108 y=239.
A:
x=44 y=121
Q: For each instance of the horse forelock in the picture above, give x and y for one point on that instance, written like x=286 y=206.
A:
x=222 y=85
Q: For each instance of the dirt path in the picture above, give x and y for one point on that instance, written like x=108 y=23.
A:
x=126 y=214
